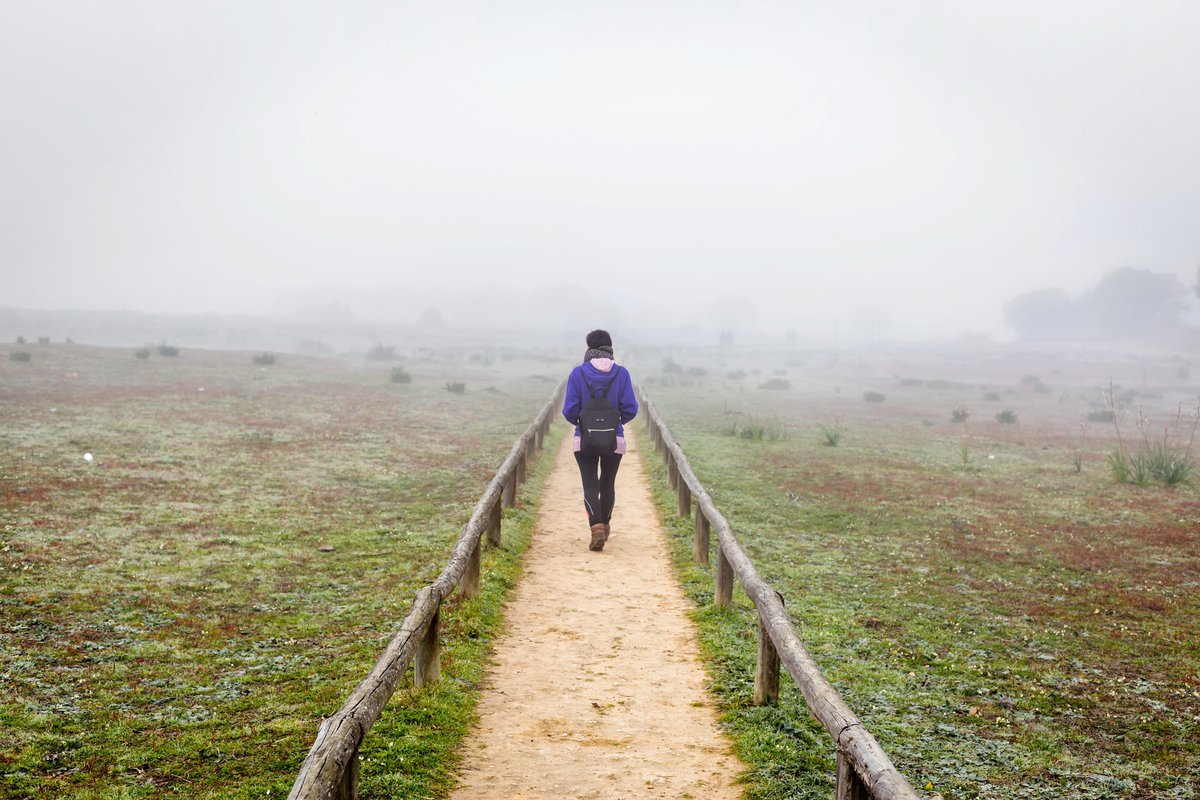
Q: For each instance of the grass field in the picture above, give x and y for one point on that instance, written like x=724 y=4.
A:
x=1006 y=618
x=180 y=611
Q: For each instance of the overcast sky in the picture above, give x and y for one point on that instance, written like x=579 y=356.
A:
x=784 y=164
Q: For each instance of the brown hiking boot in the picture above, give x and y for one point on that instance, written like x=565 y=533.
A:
x=598 y=537
x=607 y=531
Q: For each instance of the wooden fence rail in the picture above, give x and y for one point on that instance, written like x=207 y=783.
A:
x=863 y=769
x=330 y=771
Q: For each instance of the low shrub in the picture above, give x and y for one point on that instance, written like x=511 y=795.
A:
x=736 y=375
x=401 y=375
x=1006 y=417
x=456 y=387
x=961 y=413
x=1103 y=415
x=43 y=340
x=168 y=350
x=776 y=384
x=266 y=359
x=381 y=352
x=21 y=356
x=20 y=340
x=992 y=397
x=696 y=372
x=142 y=353
x=912 y=382
x=874 y=397
x=671 y=367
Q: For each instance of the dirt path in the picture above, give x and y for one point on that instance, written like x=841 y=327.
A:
x=597 y=691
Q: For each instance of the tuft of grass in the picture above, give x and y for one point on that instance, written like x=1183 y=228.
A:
x=456 y=387
x=1006 y=417
x=961 y=414
x=401 y=375
x=831 y=436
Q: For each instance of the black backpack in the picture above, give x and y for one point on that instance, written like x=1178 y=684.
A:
x=598 y=421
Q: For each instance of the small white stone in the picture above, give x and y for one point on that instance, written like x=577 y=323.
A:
x=87 y=457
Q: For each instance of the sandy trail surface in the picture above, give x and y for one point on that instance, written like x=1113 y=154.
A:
x=597 y=690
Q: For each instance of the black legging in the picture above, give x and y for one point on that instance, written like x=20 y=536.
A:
x=599 y=478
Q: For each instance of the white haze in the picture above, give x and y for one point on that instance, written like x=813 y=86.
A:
x=761 y=166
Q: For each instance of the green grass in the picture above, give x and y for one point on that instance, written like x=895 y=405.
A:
x=181 y=612
x=1007 y=628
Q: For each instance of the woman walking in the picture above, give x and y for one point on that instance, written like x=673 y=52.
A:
x=599 y=401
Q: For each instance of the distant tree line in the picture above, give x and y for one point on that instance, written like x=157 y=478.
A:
x=1126 y=304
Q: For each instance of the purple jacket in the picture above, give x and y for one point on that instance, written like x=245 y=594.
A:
x=619 y=393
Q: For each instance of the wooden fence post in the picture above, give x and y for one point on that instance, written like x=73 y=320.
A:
x=510 y=492
x=766 y=672
x=685 y=497
x=347 y=788
x=530 y=447
x=672 y=472
x=849 y=785
x=520 y=476
x=539 y=436
x=724 y=593
x=427 y=661
x=470 y=577
x=493 y=530
x=700 y=540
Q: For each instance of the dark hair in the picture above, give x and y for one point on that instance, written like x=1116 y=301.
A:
x=599 y=338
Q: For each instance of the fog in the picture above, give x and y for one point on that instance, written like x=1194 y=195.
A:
x=757 y=166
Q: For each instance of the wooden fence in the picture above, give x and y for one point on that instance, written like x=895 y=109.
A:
x=863 y=769
x=330 y=771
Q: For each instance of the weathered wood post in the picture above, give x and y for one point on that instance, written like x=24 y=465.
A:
x=530 y=448
x=520 y=472
x=672 y=472
x=470 y=577
x=849 y=785
x=724 y=593
x=700 y=540
x=493 y=529
x=766 y=671
x=685 y=497
x=347 y=788
x=509 y=495
x=427 y=661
